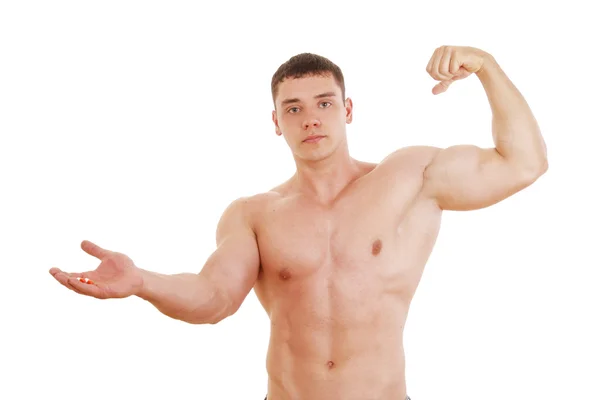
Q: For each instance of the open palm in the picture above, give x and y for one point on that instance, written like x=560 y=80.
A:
x=115 y=277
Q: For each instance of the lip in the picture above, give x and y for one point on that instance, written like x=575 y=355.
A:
x=313 y=139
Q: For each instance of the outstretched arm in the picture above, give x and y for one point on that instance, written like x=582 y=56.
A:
x=223 y=283
x=466 y=177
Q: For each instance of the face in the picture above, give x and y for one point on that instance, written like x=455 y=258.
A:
x=312 y=106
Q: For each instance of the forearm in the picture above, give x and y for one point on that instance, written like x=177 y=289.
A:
x=187 y=297
x=515 y=130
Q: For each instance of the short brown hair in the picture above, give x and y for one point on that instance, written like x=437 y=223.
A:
x=307 y=64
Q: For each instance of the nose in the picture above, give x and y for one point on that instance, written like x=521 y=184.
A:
x=311 y=123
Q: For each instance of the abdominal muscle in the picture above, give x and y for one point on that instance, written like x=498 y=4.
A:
x=337 y=286
x=319 y=350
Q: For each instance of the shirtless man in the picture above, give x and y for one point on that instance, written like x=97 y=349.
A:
x=336 y=252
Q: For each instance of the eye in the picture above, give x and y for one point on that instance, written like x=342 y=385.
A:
x=292 y=108
x=326 y=102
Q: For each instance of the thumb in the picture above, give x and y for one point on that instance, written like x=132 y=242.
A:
x=442 y=86
x=94 y=250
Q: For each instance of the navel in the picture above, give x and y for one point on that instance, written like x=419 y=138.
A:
x=285 y=274
x=376 y=249
x=330 y=364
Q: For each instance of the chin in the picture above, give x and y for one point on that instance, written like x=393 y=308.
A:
x=315 y=155
x=322 y=151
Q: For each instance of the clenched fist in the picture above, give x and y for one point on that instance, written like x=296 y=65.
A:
x=451 y=63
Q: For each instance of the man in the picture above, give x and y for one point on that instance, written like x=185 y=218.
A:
x=336 y=252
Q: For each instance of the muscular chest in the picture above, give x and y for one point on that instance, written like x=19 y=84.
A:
x=297 y=239
x=302 y=242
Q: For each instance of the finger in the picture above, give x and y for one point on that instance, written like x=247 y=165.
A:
x=88 y=275
x=430 y=65
x=433 y=61
x=94 y=250
x=436 y=65
x=63 y=278
x=444 y=67
x=454 y=66
x=461 y=74
x=87 y=289
x=73 y=288
x=441 y=87
x=53 y=271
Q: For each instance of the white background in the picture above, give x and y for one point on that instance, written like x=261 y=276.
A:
x=134 y=124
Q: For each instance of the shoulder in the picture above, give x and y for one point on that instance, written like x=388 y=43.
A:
x=249 y=204
x=413 y=159
x=420 y=155
x=250 y=208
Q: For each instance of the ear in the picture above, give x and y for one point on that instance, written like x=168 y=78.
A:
x=349 y=109
x=274 y=117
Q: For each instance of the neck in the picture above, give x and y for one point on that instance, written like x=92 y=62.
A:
x=325 y=179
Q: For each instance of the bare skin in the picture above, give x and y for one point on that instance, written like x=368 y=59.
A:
x=335 y=254
x=337 y=281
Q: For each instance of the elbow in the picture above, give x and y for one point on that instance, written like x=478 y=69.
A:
x=531 y=171
x=208 y=319
x=214 y=320
x=224 y=312
x=544 y=167
x=530 y=176
x=541 y=166
x=219 y=308
x=539 y=169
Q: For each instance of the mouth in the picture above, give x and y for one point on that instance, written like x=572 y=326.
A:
x=313 y=139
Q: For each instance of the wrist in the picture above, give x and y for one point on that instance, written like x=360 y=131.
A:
x=487 y=66
x=148 y=282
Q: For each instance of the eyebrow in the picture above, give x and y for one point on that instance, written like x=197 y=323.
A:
x=295 y=100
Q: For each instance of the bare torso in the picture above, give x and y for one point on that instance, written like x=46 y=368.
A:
x=337 y=283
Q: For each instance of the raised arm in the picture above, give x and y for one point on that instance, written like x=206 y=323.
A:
x=467 y=177
x=223 y=283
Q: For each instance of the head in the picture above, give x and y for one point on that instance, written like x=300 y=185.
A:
x=309 y=98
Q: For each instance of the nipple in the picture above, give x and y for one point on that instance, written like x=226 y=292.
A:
x=285 y=274
x=376 y=247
